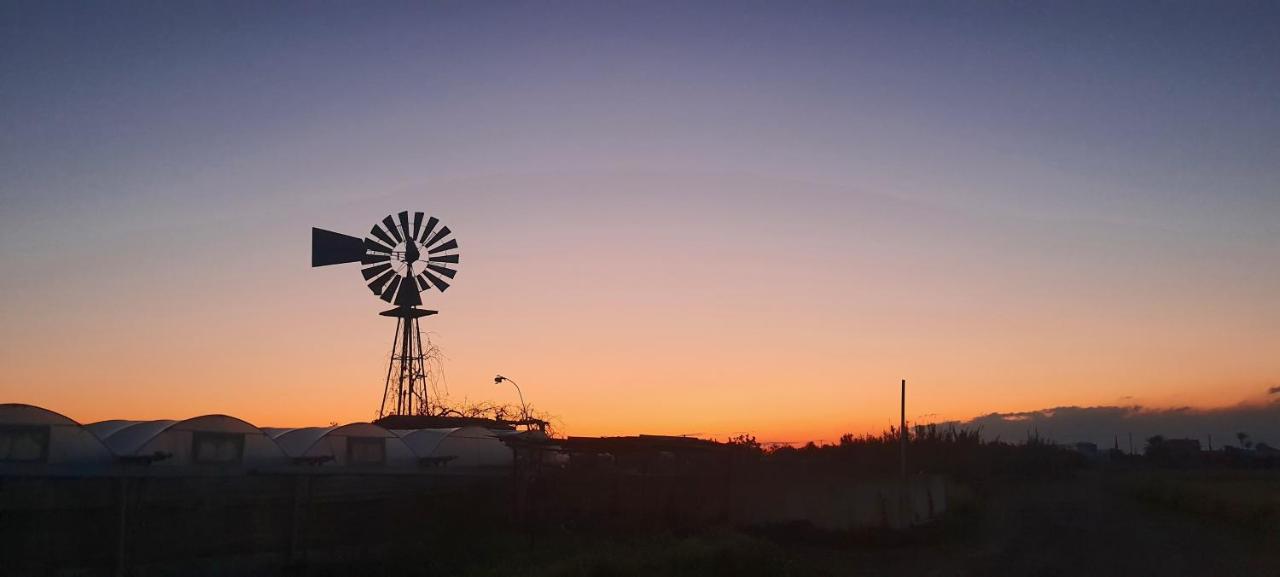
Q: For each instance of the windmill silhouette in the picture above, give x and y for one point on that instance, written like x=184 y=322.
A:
x=401 y=258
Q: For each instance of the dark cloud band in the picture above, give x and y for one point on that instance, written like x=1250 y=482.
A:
x=1109 y=425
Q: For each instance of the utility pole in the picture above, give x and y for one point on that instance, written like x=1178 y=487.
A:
x=902 y=432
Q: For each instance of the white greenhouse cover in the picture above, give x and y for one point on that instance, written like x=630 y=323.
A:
x=104 y=429
x=32 y=437
x=334 y=443
x=239 y=442
x=35 y=435
x=469 y=446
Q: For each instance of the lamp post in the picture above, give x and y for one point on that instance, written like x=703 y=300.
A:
x=524 y=409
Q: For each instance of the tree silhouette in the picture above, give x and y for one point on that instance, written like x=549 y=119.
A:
x=1155 y=446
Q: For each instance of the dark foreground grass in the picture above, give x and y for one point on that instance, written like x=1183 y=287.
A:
x=1093 y=524
x=714 y=553
x=1247 y=500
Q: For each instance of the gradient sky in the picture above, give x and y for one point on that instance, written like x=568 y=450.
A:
x=675 y=218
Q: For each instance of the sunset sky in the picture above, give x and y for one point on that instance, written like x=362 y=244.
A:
x=685 y=218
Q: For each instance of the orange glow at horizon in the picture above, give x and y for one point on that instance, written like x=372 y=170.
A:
x=676 y=314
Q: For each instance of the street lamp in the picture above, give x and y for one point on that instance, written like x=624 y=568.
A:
x=524 y=409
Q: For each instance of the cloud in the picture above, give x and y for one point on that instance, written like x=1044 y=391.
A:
x=1273 y=390
x=1109 y=425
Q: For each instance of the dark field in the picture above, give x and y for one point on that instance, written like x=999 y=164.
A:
x=1096 y=523
x=1028 y=509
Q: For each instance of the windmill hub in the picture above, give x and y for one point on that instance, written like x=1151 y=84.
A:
x=401 y=258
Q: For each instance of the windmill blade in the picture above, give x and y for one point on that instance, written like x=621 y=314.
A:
x=328 y=247
x=426 y=230
x=389 y=293
x=437 y=281
x=408 y=296
x=453 y=258
x=375 y=246
x=382 y=235
x=417 y=224
x=443 y=232
x=452 y=244
x=404 y=223
x=374 y=271
x=374 y=258
x=390 y=223
x=376 y=285
x=423 y=283
x=442 y=270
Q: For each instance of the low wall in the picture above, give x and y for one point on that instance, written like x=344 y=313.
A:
x=743 y=497
x=840 y=504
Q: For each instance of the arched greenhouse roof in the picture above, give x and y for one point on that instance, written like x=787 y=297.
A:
x=424 y=442
x=129 y=439
x=23 y=414
x=104 y=429
x=274 y=432
x=296 y=442
x=38 y=436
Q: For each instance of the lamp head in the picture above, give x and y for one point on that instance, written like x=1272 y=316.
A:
x=498 y=379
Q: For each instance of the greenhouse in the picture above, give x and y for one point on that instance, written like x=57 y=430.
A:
x=209 y=440
x=33 y=436
x=460 y=447
x=353 y=445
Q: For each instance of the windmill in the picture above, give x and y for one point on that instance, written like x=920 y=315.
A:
x=401 y=258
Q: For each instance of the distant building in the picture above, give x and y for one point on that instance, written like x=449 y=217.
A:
x=1087 y=449
x=1173 y=452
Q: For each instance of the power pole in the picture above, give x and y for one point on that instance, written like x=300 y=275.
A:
x=902 y=433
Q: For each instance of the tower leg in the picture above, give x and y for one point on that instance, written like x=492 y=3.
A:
x=420 y=370
x=405 y=392
x=388 y=389
x=405 y=406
